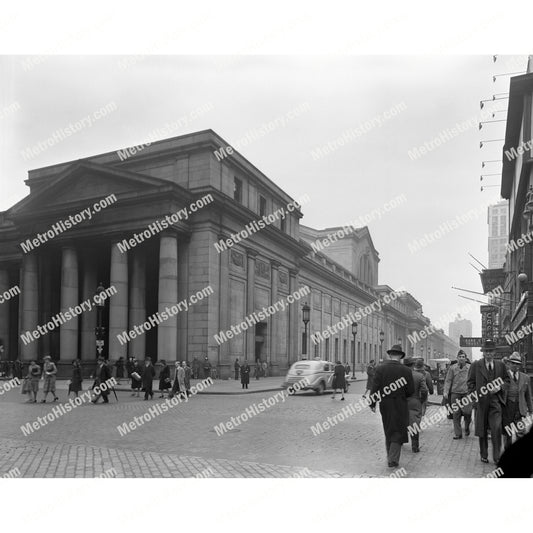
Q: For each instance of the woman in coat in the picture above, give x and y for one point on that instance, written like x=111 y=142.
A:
x=245 y=374
x=164 y=379
x=339 y=379
x=119 y=365
x=370 y=371
x=77 y=378
x=34 y=375
x=136 y=384
x=49 y=373
x=187 y=377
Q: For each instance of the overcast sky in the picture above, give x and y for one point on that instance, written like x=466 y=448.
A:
x=330 y=96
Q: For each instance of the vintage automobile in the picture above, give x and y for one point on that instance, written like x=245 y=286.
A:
x=319 y=375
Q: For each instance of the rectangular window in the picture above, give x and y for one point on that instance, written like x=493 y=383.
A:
x=344 y=347
x=316 y=351
x=336 y=349
x=237 y=190
x=326 y=356
x=283 y=224
x=262 y=206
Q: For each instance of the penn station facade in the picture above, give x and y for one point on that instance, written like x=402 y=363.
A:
x=172 y=232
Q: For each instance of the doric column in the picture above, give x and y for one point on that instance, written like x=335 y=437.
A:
x=4 y=314
x=167 y=331
x=250 y=303
x=118 y=303
x=224 y=304
x=294 y=317
x=88 y=319
x=29 y=305
x=137 y=313
x=45 y=309
x=274 y=341
x=68 y=337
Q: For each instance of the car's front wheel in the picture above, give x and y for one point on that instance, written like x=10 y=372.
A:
x=320 y=389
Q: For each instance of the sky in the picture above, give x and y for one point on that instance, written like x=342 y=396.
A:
x=312 y=101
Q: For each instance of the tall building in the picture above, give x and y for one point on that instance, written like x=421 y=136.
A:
x=498 y=216
x=461 y=326
x=517 y=188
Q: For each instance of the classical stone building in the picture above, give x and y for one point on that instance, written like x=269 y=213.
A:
x=177 y=221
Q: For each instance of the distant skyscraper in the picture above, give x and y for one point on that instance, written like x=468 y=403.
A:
x=461 y=326
x=498 y=233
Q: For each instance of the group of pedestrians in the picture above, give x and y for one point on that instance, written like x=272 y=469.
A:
x=30 y=385
x=171 y=382
x=496 y=393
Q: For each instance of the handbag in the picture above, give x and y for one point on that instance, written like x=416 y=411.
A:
x=25 y=388
x=136 y=376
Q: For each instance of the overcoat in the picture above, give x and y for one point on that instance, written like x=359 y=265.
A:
x=245 y=374
x=524 y=393
x=339 y=380
x=76 y=380
x=393 y=406
x=478 y=377
x=370 y=372
x=419 y=396
x=147 y=376
x=164 y=378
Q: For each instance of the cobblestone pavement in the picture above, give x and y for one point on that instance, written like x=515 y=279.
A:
x=182 y=442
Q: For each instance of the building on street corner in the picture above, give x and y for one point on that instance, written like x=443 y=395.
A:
x=206 y=256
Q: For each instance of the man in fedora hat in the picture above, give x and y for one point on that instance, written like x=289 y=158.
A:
x=456 y=387
x=489 y=400
x=101 y=375
x=517 y=400
x=393 y=406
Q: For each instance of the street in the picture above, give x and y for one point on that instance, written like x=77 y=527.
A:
x=277 y=442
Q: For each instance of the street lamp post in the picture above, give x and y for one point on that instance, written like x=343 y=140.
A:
x=381 y=339
x=99 y=330
x=354 y=333
x=305 y=317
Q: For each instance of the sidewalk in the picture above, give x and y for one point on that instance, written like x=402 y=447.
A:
x=220 y=386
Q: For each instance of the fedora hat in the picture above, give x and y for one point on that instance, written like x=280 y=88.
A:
x=419 y=364
x=396 y=350
x=515 y=358
x=488 y=344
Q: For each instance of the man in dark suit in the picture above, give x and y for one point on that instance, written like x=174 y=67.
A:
x=393 y=403
x=517 y=399
x=490 y=400
x=147 y=380
x=102 y=374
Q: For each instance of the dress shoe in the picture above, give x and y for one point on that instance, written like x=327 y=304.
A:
x=467 y=432
x=457 y=437
x=484 y=460
x=393 y=464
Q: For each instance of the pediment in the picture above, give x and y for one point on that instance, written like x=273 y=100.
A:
x=83 y=184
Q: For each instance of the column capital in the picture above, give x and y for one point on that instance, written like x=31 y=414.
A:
x=274 y=264
x=293 y=272
x=251 y=253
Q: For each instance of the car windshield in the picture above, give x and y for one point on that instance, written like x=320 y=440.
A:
x=301 y=366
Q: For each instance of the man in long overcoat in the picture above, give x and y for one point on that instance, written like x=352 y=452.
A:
x=101 y=375
x=148 y=375
x=245 y=374
x=393 y=403
x=490 y=400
